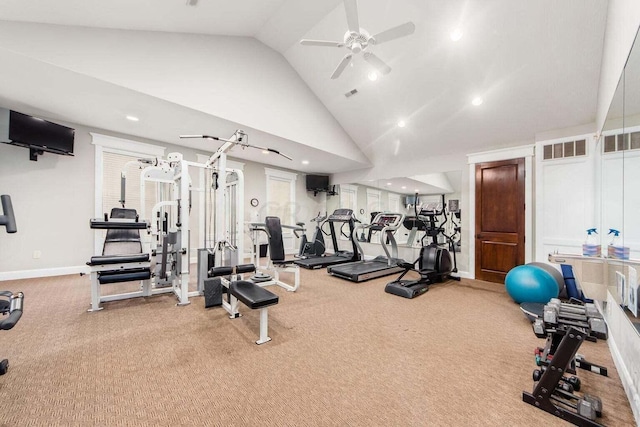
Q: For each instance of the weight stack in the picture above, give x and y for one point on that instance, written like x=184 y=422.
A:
x=212 y=292
x=206 y=260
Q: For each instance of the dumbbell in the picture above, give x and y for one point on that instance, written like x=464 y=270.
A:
x=570 y=384
x=587 y=316
x=587 y=406
x=587 y=310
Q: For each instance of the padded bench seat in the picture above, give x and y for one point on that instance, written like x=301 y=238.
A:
x=118 y=259
x=97 y=224
x=229 y=270
x=252 y=295
x=118 y=276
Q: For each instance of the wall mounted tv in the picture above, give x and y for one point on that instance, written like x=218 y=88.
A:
x=317 y=182
x=36 y=134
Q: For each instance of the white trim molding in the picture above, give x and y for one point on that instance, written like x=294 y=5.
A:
x=277 y=173
x=127 y=145
x=44 y=272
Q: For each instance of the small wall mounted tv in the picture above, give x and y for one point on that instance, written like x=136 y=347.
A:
x=36 y=134
x=317 y=182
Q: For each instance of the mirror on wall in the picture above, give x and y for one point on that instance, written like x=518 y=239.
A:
x=398 y=195
x=619 y=149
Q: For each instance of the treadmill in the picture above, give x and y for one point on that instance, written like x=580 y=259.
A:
x=340 y=216
x=381 y=265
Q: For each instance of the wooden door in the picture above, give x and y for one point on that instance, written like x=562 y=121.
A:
x=500 y=204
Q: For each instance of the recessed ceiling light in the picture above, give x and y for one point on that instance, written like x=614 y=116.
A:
x=416 y=190
x=133 y=118
x=456 y=34
x=265 y=151
x=388 y=183
x=477 y=101
x=404 y=187
x=305 y=162
x=373 y=76
x=402 y=124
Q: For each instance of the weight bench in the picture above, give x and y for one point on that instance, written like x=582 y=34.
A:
x=224 y=280
x=277 y=261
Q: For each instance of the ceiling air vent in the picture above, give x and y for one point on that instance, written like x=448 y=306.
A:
x=351 y=93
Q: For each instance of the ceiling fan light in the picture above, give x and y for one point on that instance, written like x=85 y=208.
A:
x=402 y=123
x=373 y=76
x=456 y=34
x=477 y=101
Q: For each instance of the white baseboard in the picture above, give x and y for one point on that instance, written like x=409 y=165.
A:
x=625 y=378
x=465 y=275
x=44 y=272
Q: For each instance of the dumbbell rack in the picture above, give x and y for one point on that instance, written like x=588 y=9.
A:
x=543 y=393
x=554 y=338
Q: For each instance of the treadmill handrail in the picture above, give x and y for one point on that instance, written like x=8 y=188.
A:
x=388 y=231
x=354 y=237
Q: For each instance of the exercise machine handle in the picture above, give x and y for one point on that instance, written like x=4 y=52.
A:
x=8 y=219
x=15 y=311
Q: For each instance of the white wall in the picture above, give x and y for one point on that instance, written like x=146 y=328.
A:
x=53 y=200
x=566 y=194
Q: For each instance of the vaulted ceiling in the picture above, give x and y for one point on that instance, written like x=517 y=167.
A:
x=218 y=65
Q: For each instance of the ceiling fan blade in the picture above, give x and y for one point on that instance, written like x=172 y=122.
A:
x=341 y=66
x=321 y=43
x=393 y=33
x=377 y=63
x=351 y=7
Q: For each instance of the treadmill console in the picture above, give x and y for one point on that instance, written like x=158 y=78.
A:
x=390 y=220
x=341 y=215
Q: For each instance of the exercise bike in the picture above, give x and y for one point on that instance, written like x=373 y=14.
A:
x=315 y=247
x=434 y=264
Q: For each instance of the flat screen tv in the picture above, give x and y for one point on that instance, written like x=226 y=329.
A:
x=39 y=135
x=317 y=182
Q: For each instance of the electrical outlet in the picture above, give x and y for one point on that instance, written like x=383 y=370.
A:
x=37 y=254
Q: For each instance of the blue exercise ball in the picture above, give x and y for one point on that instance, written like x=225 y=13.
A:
x=529 y=283
x=554 y=272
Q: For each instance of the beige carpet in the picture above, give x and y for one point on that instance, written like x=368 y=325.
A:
x=342 y=354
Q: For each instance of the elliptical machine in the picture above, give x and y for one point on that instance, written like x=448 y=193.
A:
x=434 y=264
x=11 y=303
x=316 y=246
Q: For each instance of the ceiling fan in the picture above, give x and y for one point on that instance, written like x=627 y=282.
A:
x=358 y=40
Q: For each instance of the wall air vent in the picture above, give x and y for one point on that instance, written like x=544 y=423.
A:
x=563 y=150
x=621 y=142
x=351 y=93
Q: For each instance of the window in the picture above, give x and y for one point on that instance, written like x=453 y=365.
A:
x=114 y=156
x=281 y=201
x=373 y=202
x=394 y=202
x=349 y=197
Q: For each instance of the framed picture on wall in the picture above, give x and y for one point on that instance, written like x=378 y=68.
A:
x=632 y=300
